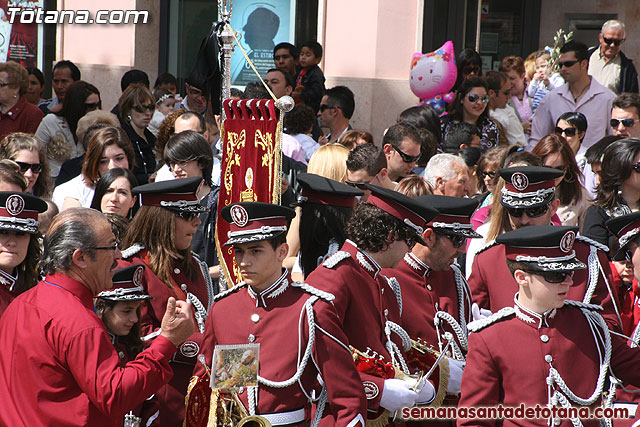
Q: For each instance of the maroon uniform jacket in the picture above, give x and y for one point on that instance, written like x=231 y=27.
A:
x=364 y=301
x=425 y=293
x=493 y=287
x=511 y=354
x=276 y=319
x=58 y=366
x=171 y=397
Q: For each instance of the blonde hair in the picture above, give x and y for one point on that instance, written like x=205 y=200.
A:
x=530 y=65
x=413 y=186
x=330 y=161
x=92 y=118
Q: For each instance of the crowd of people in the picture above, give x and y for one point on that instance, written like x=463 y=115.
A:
x=487 y=257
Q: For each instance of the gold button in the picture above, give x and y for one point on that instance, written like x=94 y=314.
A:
x=255 y=317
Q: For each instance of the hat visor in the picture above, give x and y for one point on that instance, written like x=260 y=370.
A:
x=420 y=240
x=620 y=254
x=248 y=238
x=197 y=209
x=469 y=233
x=525 y=202
x=568 y=265
x=129 y=297
x=31 y=229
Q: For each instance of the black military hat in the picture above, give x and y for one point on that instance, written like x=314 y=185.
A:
x=325 y=191
x=542 y=247
x=528 y=186
x=626 y=228
x=178 y=195
x=255 y=221
x=412 y=212
x=454 y=215
x=127 y=285
x=19 y=211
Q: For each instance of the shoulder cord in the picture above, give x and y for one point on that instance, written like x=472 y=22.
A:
x=252 y=396
x=392 y=348
x=563 y=393
x=464 y=294
x=395 y=287
x=322 y=402
x=592 y=262
x=635 y=338
x=478 y=325
x=201 y=312
x=443 y=315
x=207 y=280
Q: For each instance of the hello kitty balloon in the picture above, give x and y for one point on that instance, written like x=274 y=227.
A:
x=433 y=75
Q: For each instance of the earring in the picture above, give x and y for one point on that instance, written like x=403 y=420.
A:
x=129 y=118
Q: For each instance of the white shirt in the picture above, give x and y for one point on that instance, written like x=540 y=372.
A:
x=475 y=245
x=511 y=125
x=74 y=189
x=55 y=134
x=165 y=174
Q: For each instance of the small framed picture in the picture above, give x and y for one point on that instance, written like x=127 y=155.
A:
x=235 y=366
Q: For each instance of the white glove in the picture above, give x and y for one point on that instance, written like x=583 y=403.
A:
x=479 y=313
x=455 y=375
x=427 y=394
x=397 y=394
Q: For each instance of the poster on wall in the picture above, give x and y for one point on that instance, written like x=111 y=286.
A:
x=20 y=41
x=262 y=25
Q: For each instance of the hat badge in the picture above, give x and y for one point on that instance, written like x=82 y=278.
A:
x=520 y=181
x=137 y=276
x=566 y=243
x=239 y=215
x=15 y=204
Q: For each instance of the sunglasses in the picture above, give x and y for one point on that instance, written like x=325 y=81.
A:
x=410 y=241
x=472 y=97
x=456 y=240
x=187 y=216
x=636 y=167
x=566 y=131
x=91 y=106
x=552 y=276
x=107 y=248
x=326 y=107
x=567 y=64
x=628 y=123
x=354 y=184
x=405 y=157
x=615 y=42
x=469 y=70
x=490 y=174
x=147 y=107
x=35 y=167
x=195 y=92
x=533 y=212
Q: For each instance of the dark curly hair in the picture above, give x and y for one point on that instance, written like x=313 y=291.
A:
x=369 y=227
x=299 y=120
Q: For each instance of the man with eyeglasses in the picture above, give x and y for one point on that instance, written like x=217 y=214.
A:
x=529 y=199
x=436 y=300
x=196 y=95
x=401 y=145
x=608 y=64
x=367 y=164
x=499 y=94
x=625 y=116
x=581 y=93
x=336 y=108
x=546 y=347
x=59 y=366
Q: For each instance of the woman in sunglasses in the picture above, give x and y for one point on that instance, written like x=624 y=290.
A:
x=487 y=178
x=136 y=106
x=108 y=148
x=469 y=64
x=619 y=190
x=572 y=126
x=574 y=199
x=470 y=106
x=58 y=130
x=31 y=155
x=159 y=237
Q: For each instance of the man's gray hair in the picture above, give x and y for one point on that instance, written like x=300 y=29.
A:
x=613 y=24
x=441 y=165
x=70 y=230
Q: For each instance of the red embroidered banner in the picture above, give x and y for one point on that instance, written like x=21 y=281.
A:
x=251 y=164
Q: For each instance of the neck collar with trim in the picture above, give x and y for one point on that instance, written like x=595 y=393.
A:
x=416 y=264
x=276 y=289
x=365 y=260
x=531 y=318
x=8 y=280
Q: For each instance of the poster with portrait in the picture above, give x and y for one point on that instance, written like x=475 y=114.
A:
x=20 y=41
x=262 y=25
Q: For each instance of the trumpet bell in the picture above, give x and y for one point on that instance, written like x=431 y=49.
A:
x=254 y=421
